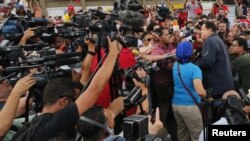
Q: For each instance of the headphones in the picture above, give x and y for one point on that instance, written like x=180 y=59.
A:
x=108 y=130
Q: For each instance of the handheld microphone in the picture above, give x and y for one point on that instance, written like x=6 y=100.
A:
x=162 y=135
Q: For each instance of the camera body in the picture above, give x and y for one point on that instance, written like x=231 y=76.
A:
x=231 y=109
x=163 y=12
x=134 y=98
x=135 y=127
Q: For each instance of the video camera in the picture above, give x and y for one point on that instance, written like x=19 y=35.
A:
x=135 y=127
x=163 y=12
x=134 y=98
x=9 y=55
x=130 y=73
x=14 y=27
x=231 y=109
x=47 y=67
x=103 y=27
x=135 y=5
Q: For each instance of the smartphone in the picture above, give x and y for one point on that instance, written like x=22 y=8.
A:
x=153 y=113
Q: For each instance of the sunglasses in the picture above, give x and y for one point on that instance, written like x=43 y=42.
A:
x=149 y=39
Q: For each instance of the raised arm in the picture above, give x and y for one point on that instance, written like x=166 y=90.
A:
x=89 y=97
x=170 y=3
x=185 y=4
x=86 y=66
x=9 y=110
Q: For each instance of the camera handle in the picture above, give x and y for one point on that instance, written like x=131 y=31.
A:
x=142 y=112
x=26 y=121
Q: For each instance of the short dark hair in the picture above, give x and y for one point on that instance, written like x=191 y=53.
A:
x=150 y=27
x=56 y=88
x=204 y=16
x=159 y=31
x=242 y=42
x=145 y=34
x=89 y=131
x=210 y=25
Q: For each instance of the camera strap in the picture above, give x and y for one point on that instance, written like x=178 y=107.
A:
x=189 y=92
x=103 y=126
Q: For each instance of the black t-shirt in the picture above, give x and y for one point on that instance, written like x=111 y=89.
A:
x=48 y=126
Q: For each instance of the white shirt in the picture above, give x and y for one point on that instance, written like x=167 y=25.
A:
x=190 y=7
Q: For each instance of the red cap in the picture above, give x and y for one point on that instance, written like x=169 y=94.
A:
x=71 y=8
x=198 y=11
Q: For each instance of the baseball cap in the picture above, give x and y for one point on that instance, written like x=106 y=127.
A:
x=71 y=8
x=198 y=11
x=184 y=51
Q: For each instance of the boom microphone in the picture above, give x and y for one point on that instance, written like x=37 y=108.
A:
x=61 y=62
x=17 y=68
x=53 y=57
x=131 y=18
x=27 y=45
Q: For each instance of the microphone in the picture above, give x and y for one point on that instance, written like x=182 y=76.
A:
x=162 y=135
x=53 y=57
x=68 y=55
x=62 y=62
x=135 y=52
x=131 y=18
x=27 y=46
x=17 y=68
x=168 y=55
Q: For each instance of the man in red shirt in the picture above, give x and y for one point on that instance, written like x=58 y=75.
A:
x=126 y=60
x=182 y=18
x=217 y=6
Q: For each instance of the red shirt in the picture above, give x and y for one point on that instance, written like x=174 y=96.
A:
x=216 y=9
x=245 y=21
x=182 y=18
x=126 y=60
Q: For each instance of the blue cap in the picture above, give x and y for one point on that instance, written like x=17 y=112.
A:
x=19 y=6
x=184 y=51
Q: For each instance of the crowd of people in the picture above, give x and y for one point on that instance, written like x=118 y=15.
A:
x=195 y=58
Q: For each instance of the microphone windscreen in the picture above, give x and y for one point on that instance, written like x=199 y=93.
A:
x=135 y=52
x=161 y=134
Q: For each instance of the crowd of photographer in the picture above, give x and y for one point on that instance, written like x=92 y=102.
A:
x=137 y=73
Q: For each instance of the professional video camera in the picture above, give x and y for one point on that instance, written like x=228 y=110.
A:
x=133 y=5
x=14 y=26
x=47 y=67
x=231 y=109
x=134 y=99
x=135 y=127
x=9 y=55
x=130 y=72
x=131 y=22
x=163 y=12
